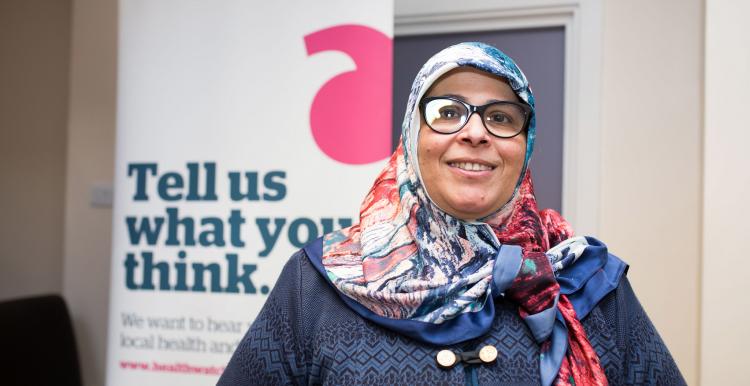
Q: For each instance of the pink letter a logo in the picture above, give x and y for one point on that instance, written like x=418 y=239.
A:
x=350 y=116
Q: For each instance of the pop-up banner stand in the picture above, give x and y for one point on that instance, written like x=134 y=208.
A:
x=245 y=130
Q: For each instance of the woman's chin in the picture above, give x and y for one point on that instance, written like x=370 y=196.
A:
x=468 y=209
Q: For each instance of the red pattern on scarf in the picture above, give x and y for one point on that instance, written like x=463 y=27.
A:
x=535 y=288
x=581 y=365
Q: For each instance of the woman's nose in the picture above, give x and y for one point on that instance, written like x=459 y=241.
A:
x=474 y=132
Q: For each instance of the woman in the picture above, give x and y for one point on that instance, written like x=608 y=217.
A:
x=452 y=275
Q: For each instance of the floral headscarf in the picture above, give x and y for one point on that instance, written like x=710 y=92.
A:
x=413 y=268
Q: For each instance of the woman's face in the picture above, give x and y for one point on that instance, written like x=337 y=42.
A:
x=470 y=174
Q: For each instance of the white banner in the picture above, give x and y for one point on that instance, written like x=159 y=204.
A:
x=245 y=130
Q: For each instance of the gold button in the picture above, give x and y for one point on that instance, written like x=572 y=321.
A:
x=446 y=358
x=488 y=354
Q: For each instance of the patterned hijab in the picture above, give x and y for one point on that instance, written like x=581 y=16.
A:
x=415 y=269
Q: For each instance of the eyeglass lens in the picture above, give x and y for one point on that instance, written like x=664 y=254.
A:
x=502 y=119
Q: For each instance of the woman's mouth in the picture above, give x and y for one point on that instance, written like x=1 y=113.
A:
x=471 y=166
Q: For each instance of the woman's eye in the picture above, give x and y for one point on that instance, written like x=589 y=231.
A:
x=448 y=113
x=499 y=118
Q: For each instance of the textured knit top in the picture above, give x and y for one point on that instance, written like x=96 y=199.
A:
x=306 y=335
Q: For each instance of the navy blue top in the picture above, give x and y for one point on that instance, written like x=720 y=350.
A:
x=305 y=334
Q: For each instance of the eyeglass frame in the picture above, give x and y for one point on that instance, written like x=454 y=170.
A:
x=477 y=109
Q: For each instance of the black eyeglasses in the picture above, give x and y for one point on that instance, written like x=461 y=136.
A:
x=447 y=115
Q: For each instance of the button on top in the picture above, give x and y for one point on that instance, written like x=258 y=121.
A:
x=446 y=358
x=487 y=354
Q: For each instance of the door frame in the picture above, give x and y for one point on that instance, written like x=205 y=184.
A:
x=582 y=24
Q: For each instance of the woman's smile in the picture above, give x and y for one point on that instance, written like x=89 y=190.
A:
x=472 y=166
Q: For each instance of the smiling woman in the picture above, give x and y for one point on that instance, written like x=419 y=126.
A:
x=471 y=174
x=453 y=275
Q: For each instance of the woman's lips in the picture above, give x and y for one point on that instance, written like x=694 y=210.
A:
x=471 y=166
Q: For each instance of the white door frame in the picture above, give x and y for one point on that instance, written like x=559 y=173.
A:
x=582 y=22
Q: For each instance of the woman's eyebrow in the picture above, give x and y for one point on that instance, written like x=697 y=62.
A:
x=463 y=99
x=456 y=96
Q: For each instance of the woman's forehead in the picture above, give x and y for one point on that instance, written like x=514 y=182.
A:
x=473 y=86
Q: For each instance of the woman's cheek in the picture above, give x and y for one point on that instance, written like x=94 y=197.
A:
x=517 y=152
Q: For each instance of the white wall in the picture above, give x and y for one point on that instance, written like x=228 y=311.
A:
x=652 y=89
x=726 y=313
x=34 y=57
x=91 y=132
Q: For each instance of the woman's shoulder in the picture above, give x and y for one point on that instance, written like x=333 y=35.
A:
x=300 y=273
x=628 y=344
x=277 y=348
x=303 y=284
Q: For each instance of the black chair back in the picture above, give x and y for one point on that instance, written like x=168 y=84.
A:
x=38 y=345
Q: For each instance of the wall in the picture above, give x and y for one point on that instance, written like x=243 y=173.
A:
x=91 y=138
x=651 y=160
x=34 y=57
x=726 y=190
